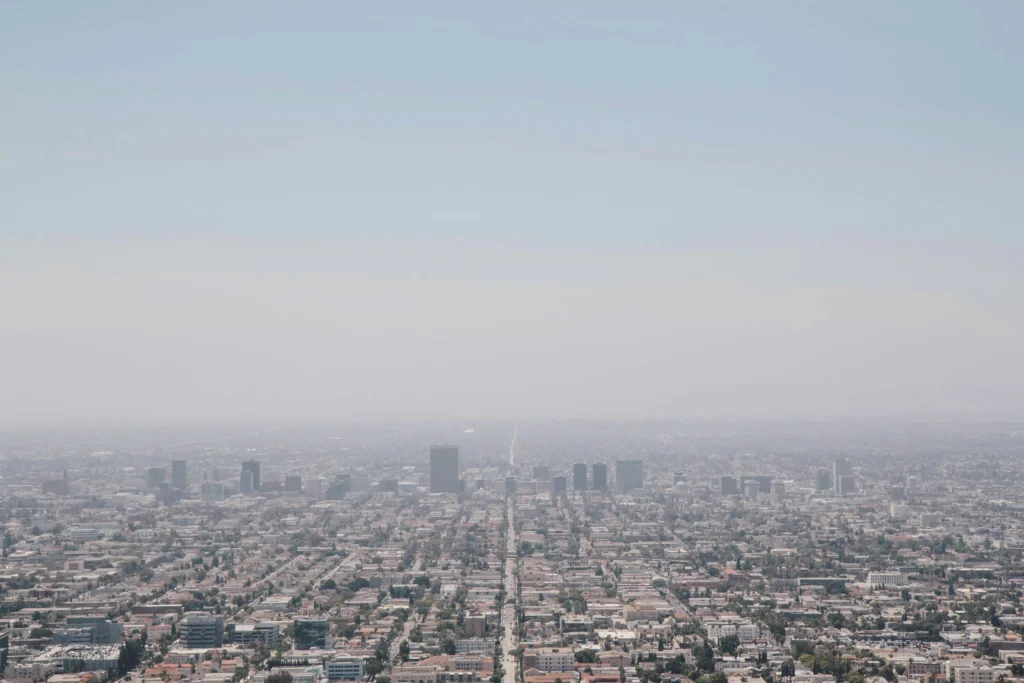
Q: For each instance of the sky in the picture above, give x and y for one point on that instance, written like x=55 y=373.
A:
x=334 y=211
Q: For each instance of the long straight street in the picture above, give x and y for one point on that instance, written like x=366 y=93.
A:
x=509 y=614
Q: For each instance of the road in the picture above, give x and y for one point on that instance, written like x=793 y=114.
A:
x=509 y=618
x=410 y=623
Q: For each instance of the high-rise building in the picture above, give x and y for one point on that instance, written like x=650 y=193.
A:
x=751 y=488
x=764 y=483
x=847 y=484
x=579 y=476
x=254 y=467
x=822 y=482
x=179 y=474
x=310 y=633
x=510 y=484
x=678 y=477
x=155 y=477
x=778 y=489
x=629 y=474
x=599 y=481
x=559 y=484
x=389 y=485
x=245 y=485
x=58 y=487
x=541 y=473
x=444 y=469
x=201 y=631
x=213 y=491
x=293 y=483
x=729 y=486
x=840 y=468
x=338 y=488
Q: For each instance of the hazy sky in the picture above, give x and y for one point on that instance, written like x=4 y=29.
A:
x=349 y=210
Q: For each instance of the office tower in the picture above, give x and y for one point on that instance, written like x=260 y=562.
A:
x=559 y=484
x=462 y=485
x=245 y=486
x=444 y=469
x=579 y=476
x=822 y=480
x=728 y=486
x=293 y=483
x=629 y=474
x=541 y=473
x=510 y=484
x=911 y=487
x=389 y=485
x=310 y=633
x=751 y=488
x=600 y=478
x=201 y=631
x=57 y=487
x=778 y=489
x=213 y=491
x=678 y=477
x=179 y=474
x=254 y=467
x=765 y=483
x=155 y=477
x=840 y=468
x=847 y=484
x=338 y=488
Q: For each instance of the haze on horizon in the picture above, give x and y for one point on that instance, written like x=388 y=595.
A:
x=333 y=211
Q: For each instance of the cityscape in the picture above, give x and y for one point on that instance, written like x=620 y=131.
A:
x=511 y=342
x=535 y=552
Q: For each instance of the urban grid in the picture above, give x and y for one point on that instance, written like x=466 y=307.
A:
x=534 y=553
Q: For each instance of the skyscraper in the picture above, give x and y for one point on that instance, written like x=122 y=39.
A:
x=600 y=478
x=293 y=483
x=245 y=485
x=541 y=473
x=579 y=476
x=629 y=474
x=254 y=467
x=179 y=474
x=558 y=484
x=444 y=469
x=155 y=477
x=728 y=485
x=840 y=468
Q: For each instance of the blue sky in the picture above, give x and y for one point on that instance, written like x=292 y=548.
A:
x=551 y=209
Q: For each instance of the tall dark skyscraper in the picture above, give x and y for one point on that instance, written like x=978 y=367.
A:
x=600 y=478
x=728 y=486
x=444 y=469
x=579 y=476
x=629 y=474
x=840 y=468
x=179 y=474
x=155 y=477
x=541 y=473
x=254 y=467
x=558 y=484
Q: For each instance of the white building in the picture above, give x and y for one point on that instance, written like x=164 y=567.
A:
x=473 y=645
x=886 y=579
x=345 y=668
